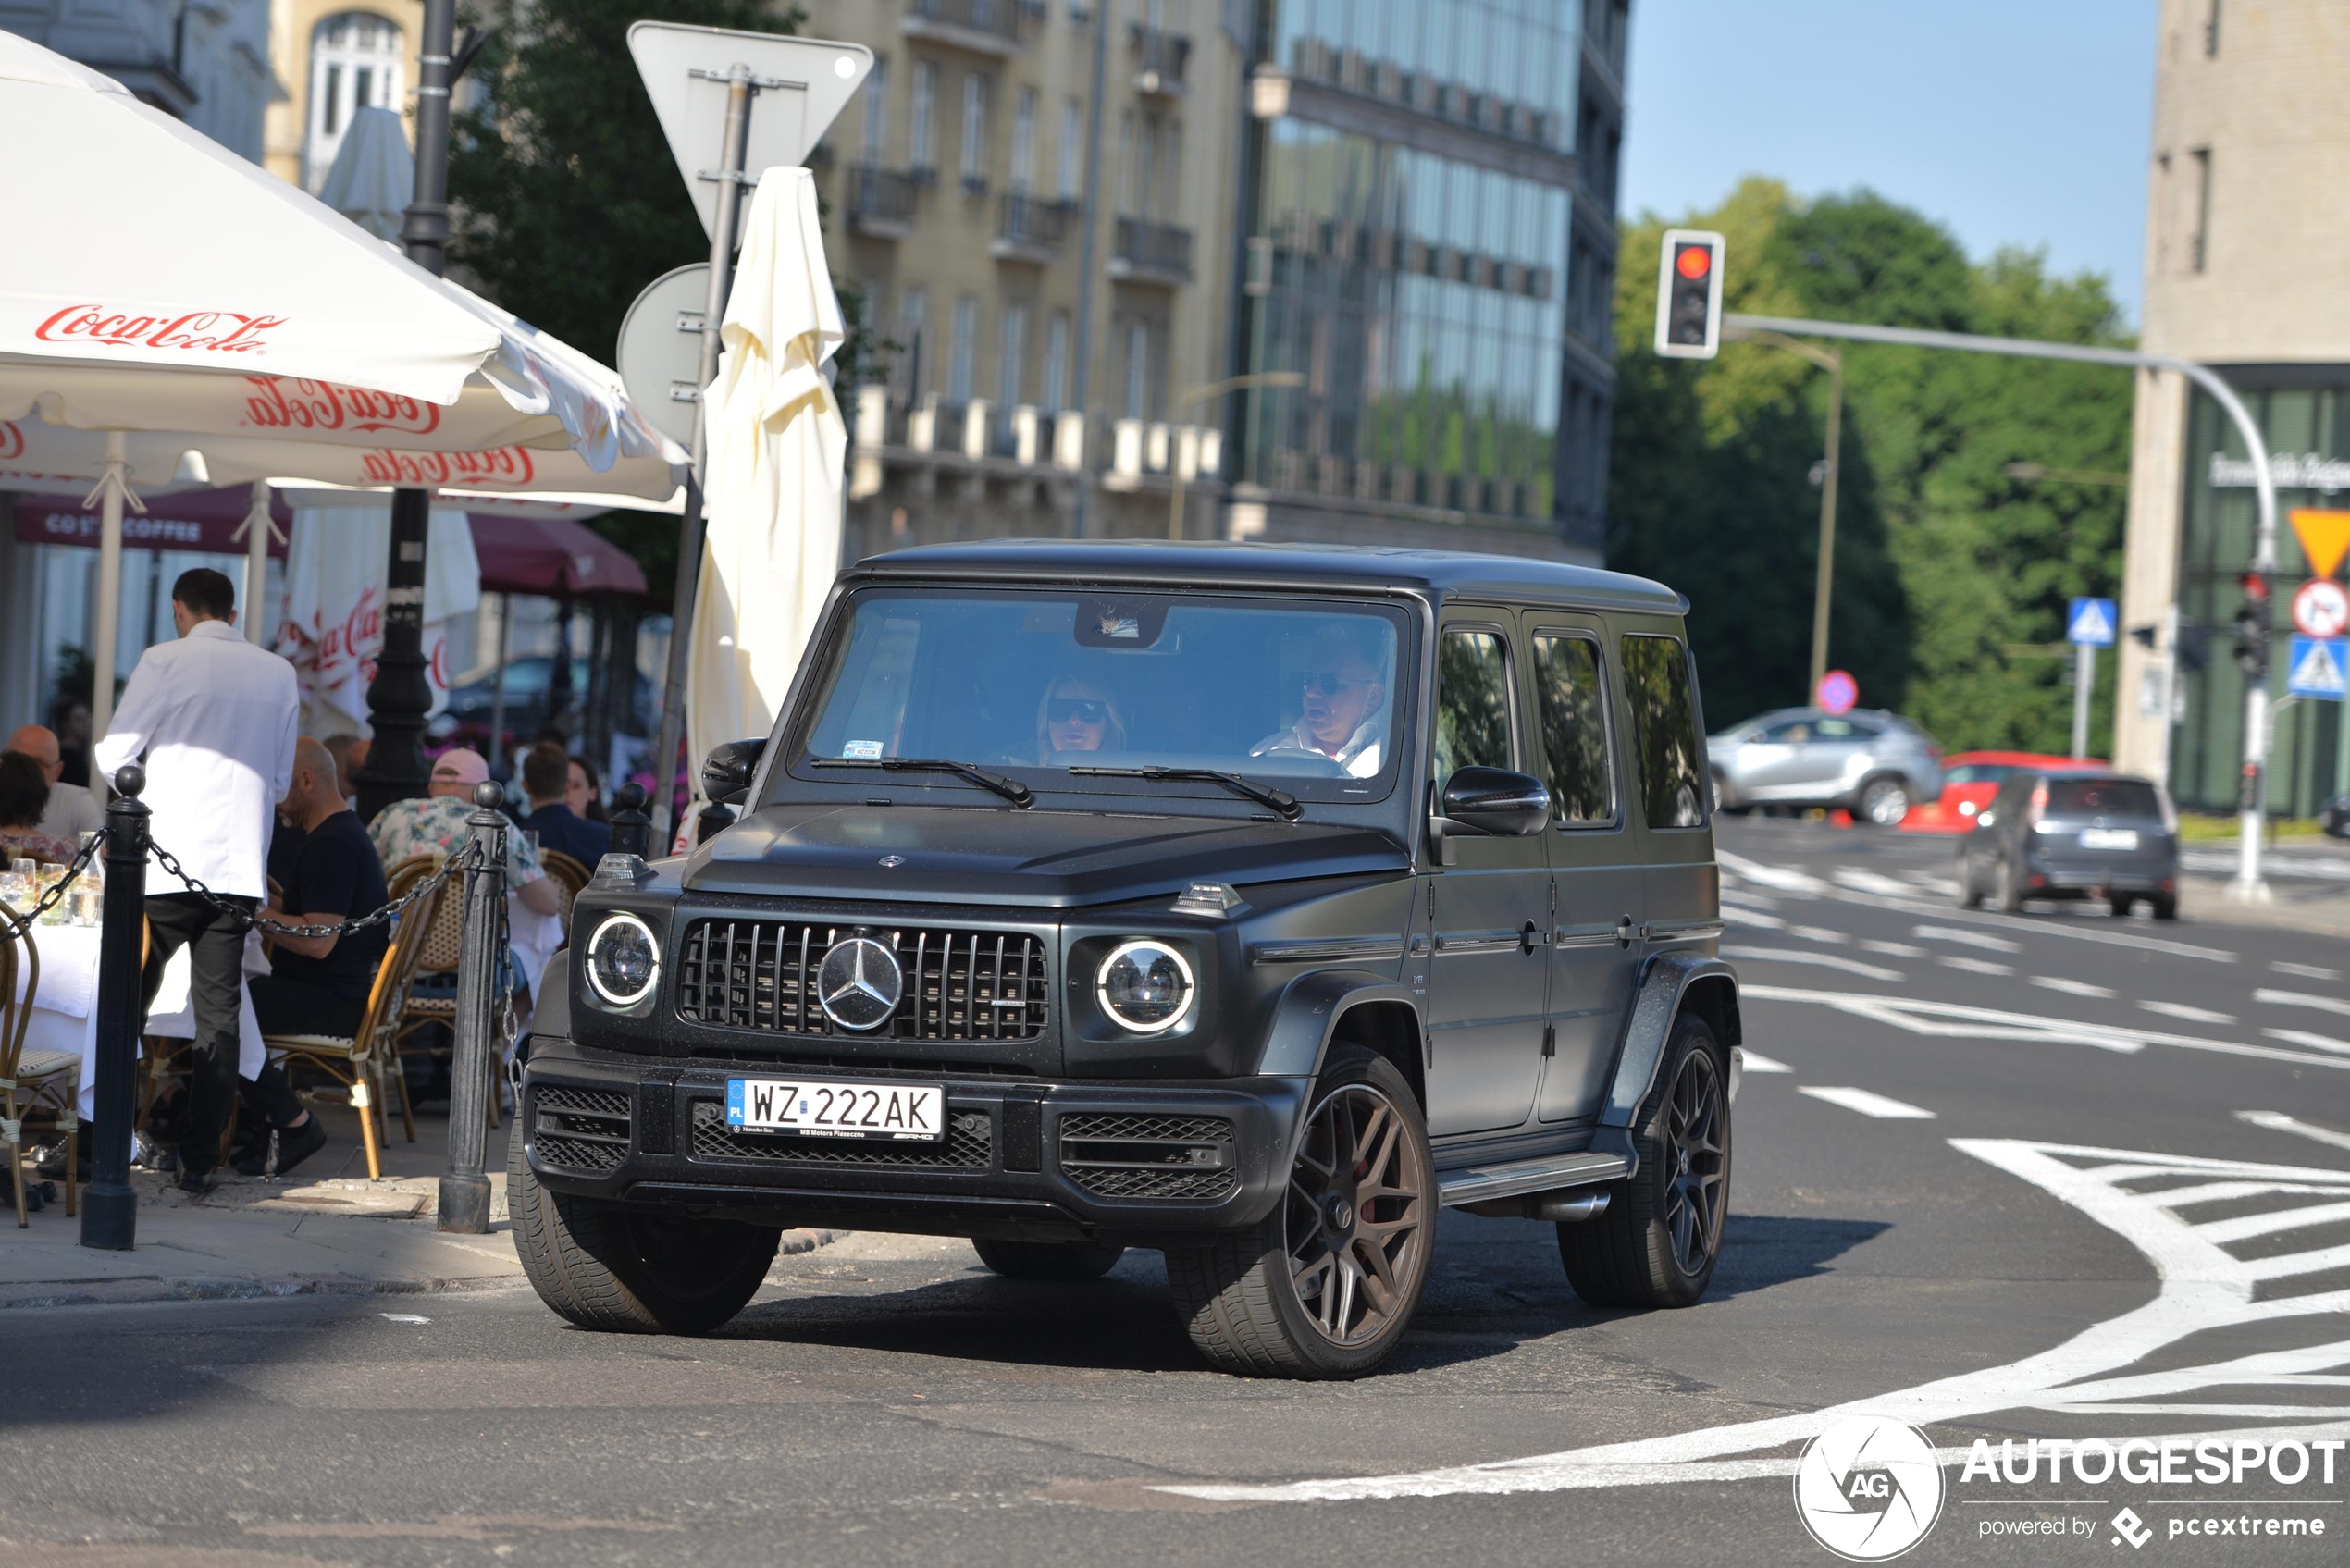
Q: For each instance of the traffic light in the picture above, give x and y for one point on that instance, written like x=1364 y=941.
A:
x=2252 y=626
x=1689 y=295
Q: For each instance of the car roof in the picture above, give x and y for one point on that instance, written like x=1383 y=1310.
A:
x=1439 y=573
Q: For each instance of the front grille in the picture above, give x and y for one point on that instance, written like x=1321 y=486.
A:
x=960 y=985
x=1116 y=1155
x=969 y=1145
x=579 y=1128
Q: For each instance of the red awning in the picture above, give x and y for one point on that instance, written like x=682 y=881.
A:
x=203 y=520
x=554 y=556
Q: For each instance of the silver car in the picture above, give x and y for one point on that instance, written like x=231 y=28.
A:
x=1868 y=762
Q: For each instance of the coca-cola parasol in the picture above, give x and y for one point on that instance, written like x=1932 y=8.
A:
x=274 y=341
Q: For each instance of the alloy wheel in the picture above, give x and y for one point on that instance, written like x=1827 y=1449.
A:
x=1885 y=803
x=1356 y=1219
x=1697 y=1156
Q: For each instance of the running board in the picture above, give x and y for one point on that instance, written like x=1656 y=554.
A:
x=1549 y=1174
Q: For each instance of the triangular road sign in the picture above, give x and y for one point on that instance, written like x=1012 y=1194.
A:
x=2324 y=536
x=2092 y=622
x=2316 y=668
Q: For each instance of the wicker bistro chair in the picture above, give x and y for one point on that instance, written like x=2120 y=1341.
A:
x=569 y=877
x=358 y=1063
x=444 y=945
x=40 y=1084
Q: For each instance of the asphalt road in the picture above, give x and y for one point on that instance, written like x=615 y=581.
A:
x=2052 y=1176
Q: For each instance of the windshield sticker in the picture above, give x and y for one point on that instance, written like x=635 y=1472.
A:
x=861 y=752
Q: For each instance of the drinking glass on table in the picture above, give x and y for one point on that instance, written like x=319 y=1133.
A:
x=85 y=901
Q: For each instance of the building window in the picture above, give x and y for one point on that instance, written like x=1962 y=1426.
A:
x=974 y=156
x=919 y=150
x=960 y=351
x=1055 y=360
x=356 y=62
x=2211 y=32
x=876 y=113
x=2199 y=239
x=1138 y=367
x=1023 y=138
x=913 y=331
x=1012 y=373
x=1066 y=155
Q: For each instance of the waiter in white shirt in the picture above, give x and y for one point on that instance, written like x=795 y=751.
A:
x=216 y=719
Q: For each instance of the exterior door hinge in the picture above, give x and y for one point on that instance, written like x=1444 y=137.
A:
x=1550 y=1040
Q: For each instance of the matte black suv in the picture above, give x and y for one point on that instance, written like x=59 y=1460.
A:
x=1247 y=902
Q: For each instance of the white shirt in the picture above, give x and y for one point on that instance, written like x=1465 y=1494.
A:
x=215 y=718
x=1362 y=756
x=71 y=812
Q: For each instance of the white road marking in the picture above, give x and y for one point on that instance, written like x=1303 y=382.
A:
x=2315 y=1041
x=1952 y=1020
x=2182 y=1010
x=1822 y=933
x=402 y=1317
x=1756 y=1062
x=2073 y=987
x=2277 y=1121
x=1870 y=881
x=1826 y=960
x=1896 y=949
x=2203 y=1289
x=2307 y=971
x=1785 y=879
x=1867 y=1103
x=1748 y=896
x=2302 y=999
x=1737 y=915
x=1974 y=965
x=1971 y=938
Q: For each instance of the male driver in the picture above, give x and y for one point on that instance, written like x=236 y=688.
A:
x=317 y=984
x=215 y=718
x=546 y=770
x=1344 y=711
x=71 y=812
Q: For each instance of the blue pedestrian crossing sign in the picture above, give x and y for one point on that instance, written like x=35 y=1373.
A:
x=2090 y=622
x=2316 y=668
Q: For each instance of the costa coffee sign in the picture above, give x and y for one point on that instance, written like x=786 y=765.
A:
x=276 y=404
x=449 y=470
x=197 y=332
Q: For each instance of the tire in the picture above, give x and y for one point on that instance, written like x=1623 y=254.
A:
x=1657 y=1241
x=2119 y=905
x=627 y=1272
x=1066 y=1260
x=1260 y=1305
x=2007 y=891
x=1882 y=802
x=1970 y=896
x=2166 y=906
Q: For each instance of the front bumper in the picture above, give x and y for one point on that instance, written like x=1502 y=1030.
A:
x=1023 y=1159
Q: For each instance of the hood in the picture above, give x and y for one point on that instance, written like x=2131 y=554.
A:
x=1040 y=857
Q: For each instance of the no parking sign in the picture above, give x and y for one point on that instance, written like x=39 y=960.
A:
x=1838 y=691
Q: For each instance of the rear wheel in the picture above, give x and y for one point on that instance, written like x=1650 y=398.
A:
x=2166 y=906
x=1970 y=896
x=1883 y=802
x=2119 y=905
x=1049 y=1260
x=1325 y=1285
x=629 y=1271
x=1661 y=1235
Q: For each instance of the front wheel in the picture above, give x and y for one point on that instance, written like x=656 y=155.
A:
x=2009 y=888
x=1324 y=1285
x=1661 y=1235
x=1065 y=1261
x=1883 y=802
x=627 y=1271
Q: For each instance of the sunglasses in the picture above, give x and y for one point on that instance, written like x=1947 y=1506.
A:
x=1329 y=683
x=1076 y=711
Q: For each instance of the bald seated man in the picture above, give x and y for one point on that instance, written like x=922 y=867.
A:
x=73 y=811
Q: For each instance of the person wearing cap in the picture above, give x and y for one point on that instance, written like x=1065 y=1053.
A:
x=441 y=823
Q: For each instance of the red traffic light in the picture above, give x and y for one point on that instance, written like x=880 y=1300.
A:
x=1694 y=262
x=2256 y=586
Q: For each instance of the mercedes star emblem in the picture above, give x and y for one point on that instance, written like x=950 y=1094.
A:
x=891 y=863
x=859 y=983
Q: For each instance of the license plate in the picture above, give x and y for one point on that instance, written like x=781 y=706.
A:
x=914 y=1112
x=2109 y=838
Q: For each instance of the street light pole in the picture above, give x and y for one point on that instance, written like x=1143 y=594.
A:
x=1822 y=587
x=1201 y=394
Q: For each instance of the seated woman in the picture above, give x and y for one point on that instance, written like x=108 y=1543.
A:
x=1077 y=715
x=24 y=796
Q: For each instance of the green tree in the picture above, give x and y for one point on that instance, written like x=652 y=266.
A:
x=1951 y=576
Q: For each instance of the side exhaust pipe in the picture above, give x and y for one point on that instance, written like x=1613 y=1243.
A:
x=1559 y=1208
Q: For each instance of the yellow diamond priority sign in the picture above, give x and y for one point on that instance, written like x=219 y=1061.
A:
x=2324 y=536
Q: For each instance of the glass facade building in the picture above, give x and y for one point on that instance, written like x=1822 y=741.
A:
x=1430 y=238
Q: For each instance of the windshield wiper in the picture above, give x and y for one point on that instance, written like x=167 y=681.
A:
x=1012 y=790
x=1279 y=800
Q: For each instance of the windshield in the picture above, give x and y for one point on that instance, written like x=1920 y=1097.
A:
x=1977 y=772
x=2104 y=797
x=1036 y=683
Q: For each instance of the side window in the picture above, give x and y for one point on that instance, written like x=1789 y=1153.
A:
x=1656 y=678
x=1574 y=721
x=1792 y=731
x=1472 y=703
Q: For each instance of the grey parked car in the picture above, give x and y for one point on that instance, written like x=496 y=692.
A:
x=1869 y=762
x=2074 y=835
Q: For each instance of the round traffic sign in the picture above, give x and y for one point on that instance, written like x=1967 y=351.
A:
x=2322 y=608
x=1838 y=691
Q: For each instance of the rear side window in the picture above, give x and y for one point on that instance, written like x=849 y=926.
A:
x=1575 y=760
x=2110 y=797
x=1656 y=679
x=1472 y=703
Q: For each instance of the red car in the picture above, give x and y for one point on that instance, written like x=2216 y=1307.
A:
x=1971 y=779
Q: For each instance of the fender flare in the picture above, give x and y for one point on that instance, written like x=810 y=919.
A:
x=1665 y=979
x=1307 y=1016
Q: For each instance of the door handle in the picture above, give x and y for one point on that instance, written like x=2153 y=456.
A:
x=1526 y=936
x=1624 y=932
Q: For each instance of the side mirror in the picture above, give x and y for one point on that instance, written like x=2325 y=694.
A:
x=1496 y=801
x=725 y=775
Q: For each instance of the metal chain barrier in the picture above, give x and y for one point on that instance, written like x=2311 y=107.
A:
x=17 y=925
x=458 y=860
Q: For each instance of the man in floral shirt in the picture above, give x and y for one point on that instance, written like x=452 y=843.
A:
x=441 y=824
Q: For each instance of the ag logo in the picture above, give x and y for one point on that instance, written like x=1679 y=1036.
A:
x=1869 y=1488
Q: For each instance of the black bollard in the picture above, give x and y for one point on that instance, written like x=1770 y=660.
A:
x=632 y=831
x=464 y=1190
x=109 y=1208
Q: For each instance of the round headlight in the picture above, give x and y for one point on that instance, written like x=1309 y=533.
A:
x=624 y=961
x=1145 y=986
